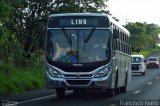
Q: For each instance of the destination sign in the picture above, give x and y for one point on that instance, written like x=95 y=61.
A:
x=78 y=22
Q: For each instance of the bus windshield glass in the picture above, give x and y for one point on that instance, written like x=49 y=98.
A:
x=78 y=45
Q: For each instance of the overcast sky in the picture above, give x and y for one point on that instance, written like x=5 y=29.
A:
x=135 y=10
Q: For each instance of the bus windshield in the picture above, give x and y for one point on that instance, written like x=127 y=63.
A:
x=78 y=45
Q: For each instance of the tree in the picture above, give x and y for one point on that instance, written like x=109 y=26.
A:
x=152 y=32
x=143 y=35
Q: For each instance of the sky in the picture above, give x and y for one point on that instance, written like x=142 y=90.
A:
x=135 y=11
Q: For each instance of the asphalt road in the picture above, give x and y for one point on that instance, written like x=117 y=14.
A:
x=142 y=90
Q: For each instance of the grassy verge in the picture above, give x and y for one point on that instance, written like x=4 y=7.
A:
x=147 y=53
x=17 y=80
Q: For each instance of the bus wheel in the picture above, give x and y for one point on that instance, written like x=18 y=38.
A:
x=60 y=92
x=110 y=92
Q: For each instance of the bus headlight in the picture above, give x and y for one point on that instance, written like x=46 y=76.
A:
x=53 y=72
x=103 y=72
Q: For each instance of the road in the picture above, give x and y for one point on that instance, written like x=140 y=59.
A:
x=141 y=88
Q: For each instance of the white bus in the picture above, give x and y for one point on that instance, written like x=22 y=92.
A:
x=87 y=51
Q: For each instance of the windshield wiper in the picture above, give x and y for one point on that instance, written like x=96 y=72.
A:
x=87 y=39
x=67 y=36
x=89 y=36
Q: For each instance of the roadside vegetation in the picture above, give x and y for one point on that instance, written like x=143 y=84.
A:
x=144 y=38
x=147 y=53
x=15 y=80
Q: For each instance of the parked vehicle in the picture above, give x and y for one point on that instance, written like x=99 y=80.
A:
x=138 y=64
x=153 y=62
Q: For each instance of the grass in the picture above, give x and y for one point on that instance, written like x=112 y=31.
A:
x=17 y=80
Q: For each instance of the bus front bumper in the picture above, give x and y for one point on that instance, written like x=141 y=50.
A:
x=69 y=83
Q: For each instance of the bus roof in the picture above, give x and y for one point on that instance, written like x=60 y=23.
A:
x=117 y=24
x=92 y=14
x=77 y=14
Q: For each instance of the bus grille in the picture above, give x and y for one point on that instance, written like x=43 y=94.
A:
x=78 y=76
x=78 y=82
x=74 y=69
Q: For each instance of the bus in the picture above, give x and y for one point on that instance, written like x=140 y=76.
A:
x=87 y=51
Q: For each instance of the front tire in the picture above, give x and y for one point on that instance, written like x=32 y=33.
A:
x=60 y=92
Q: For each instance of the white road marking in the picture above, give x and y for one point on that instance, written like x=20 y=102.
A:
x=36 y=99
x=136 y=92
x=149 y=83
x=157 y=77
